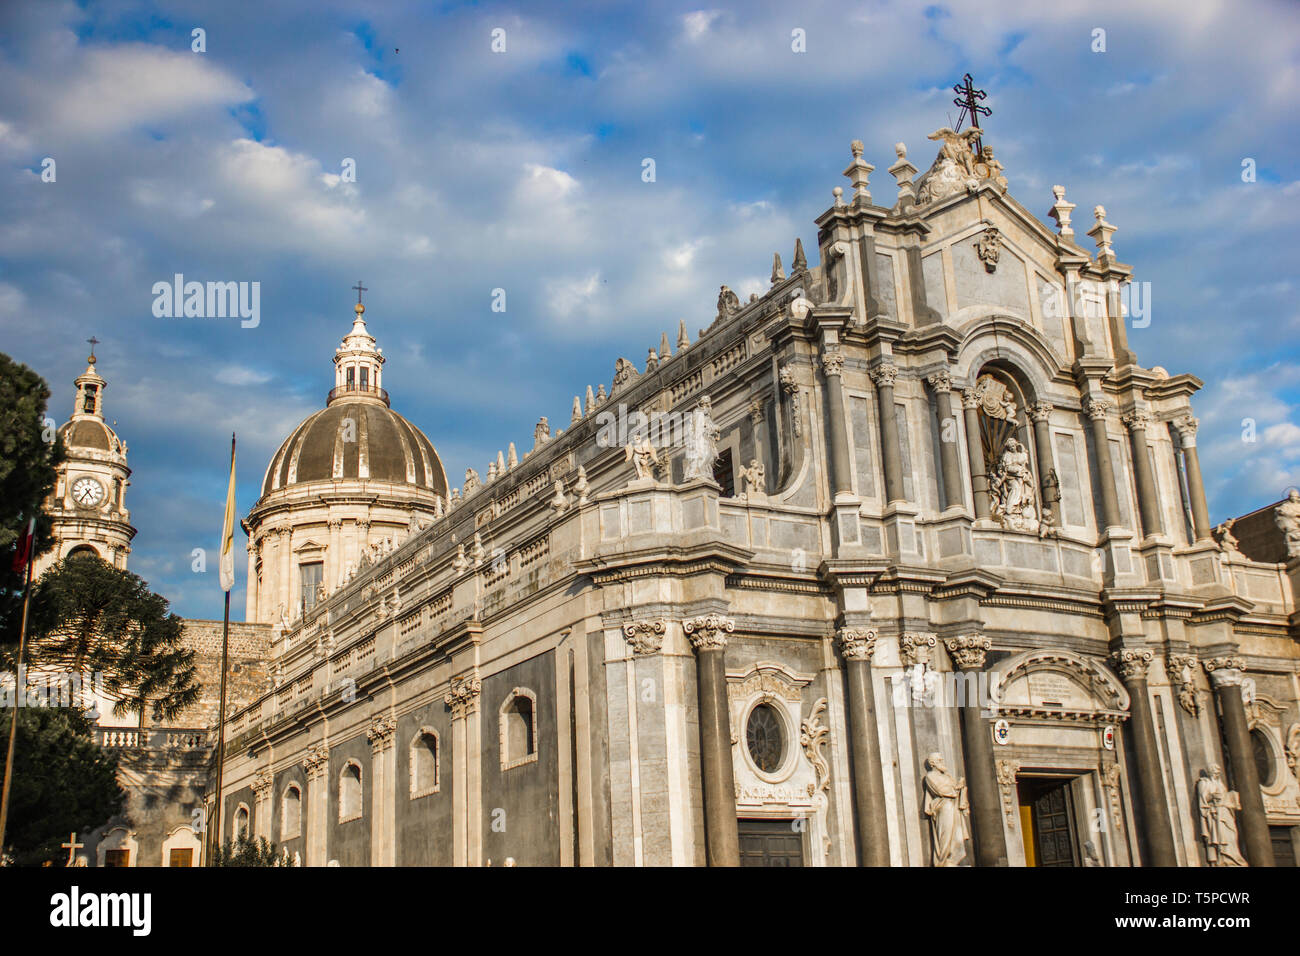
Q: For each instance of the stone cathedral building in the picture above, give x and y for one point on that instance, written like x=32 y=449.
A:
x=906 y=561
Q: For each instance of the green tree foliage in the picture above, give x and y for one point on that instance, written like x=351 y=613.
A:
x=63 y=781
x=29 y=452
x=88 y=617
x=248 y=852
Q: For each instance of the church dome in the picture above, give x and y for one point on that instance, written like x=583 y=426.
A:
x=361 y=439
x=89 y=433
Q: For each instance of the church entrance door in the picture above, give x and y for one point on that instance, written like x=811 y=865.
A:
x=1047 y=821
x=770 y=843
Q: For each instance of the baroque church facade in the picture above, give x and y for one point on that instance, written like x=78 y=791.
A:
x=906 y=561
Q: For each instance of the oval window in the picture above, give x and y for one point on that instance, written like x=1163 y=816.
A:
x=765 y=736
x=1264 y=763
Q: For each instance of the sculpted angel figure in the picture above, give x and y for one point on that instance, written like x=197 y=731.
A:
x=642 y=454
x=957 y=146
x=754 y=478
x=946 y=805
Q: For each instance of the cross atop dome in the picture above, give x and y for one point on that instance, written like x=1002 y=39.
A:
x=360 y=309
x=358 y=362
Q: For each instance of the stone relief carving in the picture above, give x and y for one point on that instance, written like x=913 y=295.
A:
x=858 y=643
x=1287 y=517
x=753 y=478
x=625 y=373
x=1293 y=751
x=709 y=631
x=728 y=304
x=643 y=457
x=1011 y=488
x=994 y=399
x=1181 y=669
x=645 y=637
x=1218 y=823
x=791 y=388
x=989 y=247
x=462 y=697
x=812 y=737
x=953 y=170
x=1007 y=770
x=919 y=677
x=1110 y=774
x=946 y=805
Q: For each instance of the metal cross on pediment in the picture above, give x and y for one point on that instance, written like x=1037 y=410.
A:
x=360 y=289
x=93 y=342
x=968 y=101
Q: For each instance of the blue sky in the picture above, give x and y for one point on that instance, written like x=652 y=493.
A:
x=522 y=170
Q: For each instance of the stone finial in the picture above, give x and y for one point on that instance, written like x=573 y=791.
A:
x=460 y=562
x=513 y=460
x=1060 y=211
x=778 y=274
x=471 y=481
x=800 y=262
x=580 y=486
x=492 y=471
x=501 y=463
x=541 y=433
x=560 y=502
x=591 y=400
x=838 y=193
x=858 y=173
x=903 y=172
x=479 y=553
x=576 y=415
x=600 y=394
x=665 y=353
x=651 y=361
x=1101 y=233
x=683 y=340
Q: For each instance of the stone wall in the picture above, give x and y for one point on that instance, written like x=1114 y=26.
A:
x=249 y=652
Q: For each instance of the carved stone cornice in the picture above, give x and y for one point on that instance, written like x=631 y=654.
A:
x=1225 y=671
x=316 y=760
x=380 y=733
x=884 y=375
x=1040 y=411
x=1096 y=409
x=915 y=648
x=968 y=651
x=645 y=637
x=832 y=362
x=709 y=632
x=1137 y=421
x=940 y=382
x=463 y=696
x=858 y=643
x=1131 y=665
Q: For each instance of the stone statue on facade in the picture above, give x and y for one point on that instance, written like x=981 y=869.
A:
x=753 y=478
x=1228 y=540
x=1011 y=486
x=728 y=304
x=643 y=457
x=1287 y=516
x=954 y=168
x=701 y=442
x=1218 y=824
x=946 y=804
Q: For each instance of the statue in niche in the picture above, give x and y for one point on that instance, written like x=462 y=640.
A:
x=1218 y=824
x=1051 y=497
x=754 y=478
x=701 y=442
x=1011 y=486
x=1287 y=517
x=946 y=804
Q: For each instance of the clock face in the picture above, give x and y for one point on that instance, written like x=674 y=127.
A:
x=87 y=491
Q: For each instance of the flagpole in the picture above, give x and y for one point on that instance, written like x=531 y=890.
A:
x=215 y=832
x=19 y=689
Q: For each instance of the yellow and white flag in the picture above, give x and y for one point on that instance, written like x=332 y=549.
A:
x=228 y=528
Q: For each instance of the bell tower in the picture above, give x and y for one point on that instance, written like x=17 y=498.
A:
x=88 y=505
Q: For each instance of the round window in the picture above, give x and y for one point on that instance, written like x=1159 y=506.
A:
x=1264 y=763
x=765 y=736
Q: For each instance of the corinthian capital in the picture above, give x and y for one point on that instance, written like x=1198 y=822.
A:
x=1096 y=409
x=833 y=362
x=1225 y=671
x=1131 y=665
x=1186 y=427
x=883 y=375
x=1040 y=411
x=858 y=643
x=261 y=783
x=709 y=632
x=940 y=381
x=915 y=648
x=1137 y=421
x=969 y=399
x=463 y=696
x=316 y=760
x=968 y=651
x=645 y=637
x=380 y=733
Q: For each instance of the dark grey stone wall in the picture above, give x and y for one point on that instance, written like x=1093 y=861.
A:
x=424 y=825
x=298 y=845
x=521 y=806
x=349 y=842
x=233 y=800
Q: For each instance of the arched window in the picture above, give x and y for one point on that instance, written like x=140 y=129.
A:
x=83 y=551
x=241 y=822
x=350 y=792
x=518 y=728
x=291 y=813
x=424 y=763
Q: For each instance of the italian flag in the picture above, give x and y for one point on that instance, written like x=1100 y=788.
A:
x=26 y=544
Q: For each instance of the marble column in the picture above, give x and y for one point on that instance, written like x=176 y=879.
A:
x=1148 y=500
x=941 y=384
x=1157 y=831
x=383 y=849
x=979 y=478
x=858 y=643
x=884 y=376
x=1225 y=678
x=333 y=559
x=708 y=635
x=462 y=698
x=1097 y=411
x=1186 y=427
x=316 y=765
x=968 y=655
x=250 y=586
x=262 y=804
x=285 y=557
x=833 y=367
x=1049 y=482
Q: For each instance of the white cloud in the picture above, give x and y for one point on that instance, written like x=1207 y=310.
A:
x=574 y=297
x=697 y=23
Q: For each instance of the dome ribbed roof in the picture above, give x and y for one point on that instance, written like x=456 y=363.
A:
x=88 y=433
x=379 y=444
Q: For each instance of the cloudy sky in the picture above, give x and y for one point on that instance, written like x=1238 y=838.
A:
x=521 y=170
